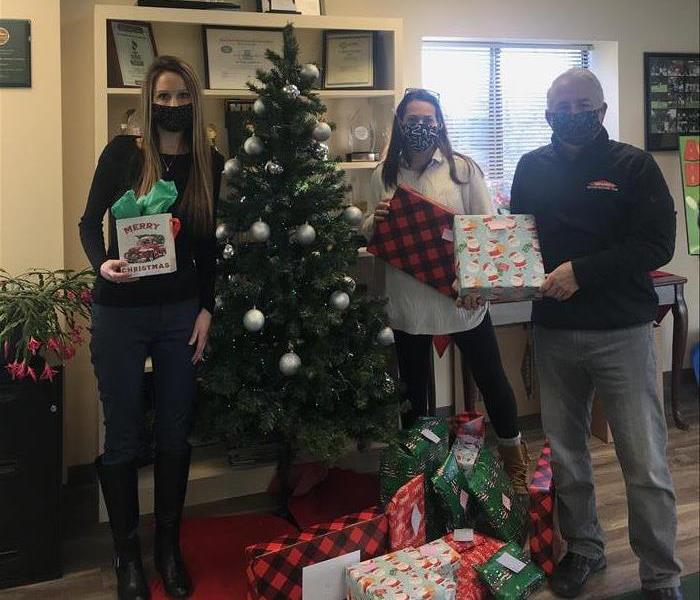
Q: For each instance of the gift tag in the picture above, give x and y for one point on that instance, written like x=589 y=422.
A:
x=416 y=519
x=447 y=235
x=429 y=435
x=463 y=499
x=506 y=501
x=511 y=563
x=463 y=535
x=326 y=580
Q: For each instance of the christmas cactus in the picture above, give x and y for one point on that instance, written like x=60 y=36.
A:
x=40 y=315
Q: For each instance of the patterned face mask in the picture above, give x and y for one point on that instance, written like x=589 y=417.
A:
x=419 y=136
x=577 y=129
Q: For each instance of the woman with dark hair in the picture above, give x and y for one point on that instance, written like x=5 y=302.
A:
x=420 y=156
x=166 y=317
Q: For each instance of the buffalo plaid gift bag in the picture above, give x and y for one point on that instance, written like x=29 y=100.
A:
x=476 y=552
x=416 y=238
x=406 y=514
x=274 y=569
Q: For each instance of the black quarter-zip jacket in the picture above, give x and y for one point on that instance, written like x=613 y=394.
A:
x=610 y=213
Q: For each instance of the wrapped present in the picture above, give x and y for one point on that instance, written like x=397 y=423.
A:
x=419 y=450
x=470 y=428
x=397 y=576
x=476 y=552
x=450 y=485
x=509 y=575
x=494 y=508
x=498 y=256
x=275 y=569
x=406 y=515
x=440 y=557
x=416 y=237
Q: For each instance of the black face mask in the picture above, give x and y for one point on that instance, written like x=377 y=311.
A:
x=172 y=118
x=577 y=129
x=420 y=136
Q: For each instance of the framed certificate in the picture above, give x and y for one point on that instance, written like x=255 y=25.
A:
x=278 y=6
x=348 y=58
x=131 y=49
x=15 y=53
x=233 y=55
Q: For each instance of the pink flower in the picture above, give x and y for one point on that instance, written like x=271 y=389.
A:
x=31 y=373
x=70 y=295
x=67 y=352
x=86 y=296
x=17 y=370
x=48 y=372
x=75 y=335
x=53 y=344
x=33 y=345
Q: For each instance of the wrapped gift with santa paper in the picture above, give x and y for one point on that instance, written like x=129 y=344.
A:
x=509 y=575
x=406 y=515
x=472 y=553
x=416 y=238
x=275 y=570
x=498 y=256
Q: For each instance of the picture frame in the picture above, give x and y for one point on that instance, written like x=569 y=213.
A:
x=689 y=154
x=234 y=54
x=278 y=6
x=15 y=53
x=311 y=7
x=671 y=98
x=131 y=49
x=349 y=59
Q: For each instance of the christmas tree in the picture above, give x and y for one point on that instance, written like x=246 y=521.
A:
x=298 y=352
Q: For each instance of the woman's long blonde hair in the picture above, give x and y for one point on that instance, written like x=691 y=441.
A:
x=196 y=200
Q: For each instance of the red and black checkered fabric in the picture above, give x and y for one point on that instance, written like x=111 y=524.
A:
x=274 y=569
x=411 y=239
x=542 y=532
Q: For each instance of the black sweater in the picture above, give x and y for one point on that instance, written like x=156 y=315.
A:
x=117 y=171
x=610 y=213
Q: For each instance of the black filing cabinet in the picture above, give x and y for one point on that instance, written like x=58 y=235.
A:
x=31 y=448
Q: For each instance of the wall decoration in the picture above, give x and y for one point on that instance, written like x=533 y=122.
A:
x=689 y=152
x=131 y=49
x=15 y=53
x=672 y=98
x=348 y=59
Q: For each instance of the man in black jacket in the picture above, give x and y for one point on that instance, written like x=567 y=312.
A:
x=605 y=218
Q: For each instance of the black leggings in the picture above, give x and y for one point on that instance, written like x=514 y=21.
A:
x=480 y=351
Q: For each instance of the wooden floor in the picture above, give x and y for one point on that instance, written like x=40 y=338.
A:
x=87 y=549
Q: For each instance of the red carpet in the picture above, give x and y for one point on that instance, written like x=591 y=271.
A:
x=214 y=549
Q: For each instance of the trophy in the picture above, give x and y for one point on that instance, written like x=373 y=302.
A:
x=362 y=138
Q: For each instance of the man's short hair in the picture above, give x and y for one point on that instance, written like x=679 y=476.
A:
x=578 y=73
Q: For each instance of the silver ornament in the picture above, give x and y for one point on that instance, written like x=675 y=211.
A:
x=218 y=303
x=386 y=336
x=305 y=234
x=289 y=363
x=259 y=107
x=349 y=283
x=260 y=231
x=339 y=300
x=228 y=251
x=253 y=145
x=321 y=132
x=274 y=168
x=352 y=216
x=253 y=320
x=291 y=91
x=310 y=72
x=232 y=168
x=222 y=232
x=320 y=151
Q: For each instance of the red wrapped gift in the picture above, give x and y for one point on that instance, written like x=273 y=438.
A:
x=417 y=238
x=545 y=541
x=274 y=569
x=478 y=552
x=406 y=514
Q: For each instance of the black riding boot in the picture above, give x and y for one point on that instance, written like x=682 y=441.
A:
x=120 y=490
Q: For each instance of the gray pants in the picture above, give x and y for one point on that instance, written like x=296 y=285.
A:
x=620 y=365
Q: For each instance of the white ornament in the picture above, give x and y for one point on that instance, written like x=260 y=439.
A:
x=274 y=168
x=310 y=72
x=321 y=132
x=253 y=145
x=289 y=363
x=349 y=283
x=339 y=300
x=259 y=107
x=222 y=232
x=352 y=216
x=305 y=234
x=253 y=320
x=260 y=231
x=218 y=303
x=386 y=336
x=228 y=251
x=232 y=168
x=291 y=90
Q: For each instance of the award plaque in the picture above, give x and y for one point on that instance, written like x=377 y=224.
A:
x=348 y=58
x=131 y=49
x=15 y=53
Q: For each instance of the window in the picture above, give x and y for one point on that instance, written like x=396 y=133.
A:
x=494 y=97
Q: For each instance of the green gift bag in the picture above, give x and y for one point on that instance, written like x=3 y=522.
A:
x=506 y=584
x=450 y=485
x=494 y=508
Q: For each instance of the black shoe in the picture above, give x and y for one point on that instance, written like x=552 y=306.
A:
x=171 y=473
x=664 y=594
x=120 y=490
x=572 y=573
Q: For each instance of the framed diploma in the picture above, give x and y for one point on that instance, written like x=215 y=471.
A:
x=348 y=58
x=131 y=49
x=15 y=53
x=233 y=55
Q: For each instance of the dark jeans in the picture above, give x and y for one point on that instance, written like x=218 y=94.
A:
x=122 y=338
x=480 y=350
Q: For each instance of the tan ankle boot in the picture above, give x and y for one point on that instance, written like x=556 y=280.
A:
x=515 y=462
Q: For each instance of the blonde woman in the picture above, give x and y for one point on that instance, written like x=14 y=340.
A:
x=166 y=317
